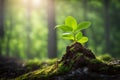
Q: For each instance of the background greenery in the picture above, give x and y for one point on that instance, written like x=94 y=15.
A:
x=26 y=26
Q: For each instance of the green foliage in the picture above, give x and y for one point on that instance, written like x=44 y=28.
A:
x=72 y=30
x=16 y=27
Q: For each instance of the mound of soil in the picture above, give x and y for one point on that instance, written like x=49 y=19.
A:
x=77 y=55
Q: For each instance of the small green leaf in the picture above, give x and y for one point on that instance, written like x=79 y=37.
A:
x=68 y=36
x=64 y=28
x=83 y=25
x=78 y=35
x=83 y=40
x=70 y=21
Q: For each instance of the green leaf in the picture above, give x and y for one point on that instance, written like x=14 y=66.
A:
x=78 y=35
x=83 y=40
x=83 y=25
x=64 y=28
x=68 y=36
x=70 y=21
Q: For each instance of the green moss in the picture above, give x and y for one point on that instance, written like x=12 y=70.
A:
x=38 y=74
x=72 y=49
x=105 y=58
x=46 y=72
x=95 y=61
x=39 y=62
x=51 y=61
x=63 y=69
x=78 y=55
x=117 y=66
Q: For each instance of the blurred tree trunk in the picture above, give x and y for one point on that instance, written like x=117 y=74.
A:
x=1 y=23
x=106 y=20
x=52 y=43
x=10 y=28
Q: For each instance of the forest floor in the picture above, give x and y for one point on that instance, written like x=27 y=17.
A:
x=78 y=63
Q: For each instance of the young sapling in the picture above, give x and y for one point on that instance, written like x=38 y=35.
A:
x=72 y=30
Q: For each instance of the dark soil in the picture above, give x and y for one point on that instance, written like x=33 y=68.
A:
x=78 y=54
x=12 y=67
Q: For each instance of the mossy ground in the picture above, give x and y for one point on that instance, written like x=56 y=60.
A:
x=76 y=61
x=76 y=57
x=49 y=72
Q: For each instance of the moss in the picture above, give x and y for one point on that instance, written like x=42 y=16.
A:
x=39 y=62
x=100 y=66
x=38 y=74
x=62 y=69
x=116 y=68
x=46 y=72
x=72 y=49
x=35 y=64
x=105 y=58
x=59 y=69
x=78 y=55
x=95 y=61
x=51 y=61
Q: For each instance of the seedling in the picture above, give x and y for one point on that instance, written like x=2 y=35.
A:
x=72 y=30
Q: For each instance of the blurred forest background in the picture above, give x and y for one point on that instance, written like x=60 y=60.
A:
x=27 y=27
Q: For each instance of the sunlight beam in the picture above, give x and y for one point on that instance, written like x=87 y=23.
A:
x=33 y=3
x=36 y=2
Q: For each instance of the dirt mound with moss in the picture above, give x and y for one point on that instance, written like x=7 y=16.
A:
x=78 y=63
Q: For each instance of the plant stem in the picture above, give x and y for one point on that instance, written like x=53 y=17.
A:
x=74 y=36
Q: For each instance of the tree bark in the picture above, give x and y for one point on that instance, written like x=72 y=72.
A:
x=52 y=43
